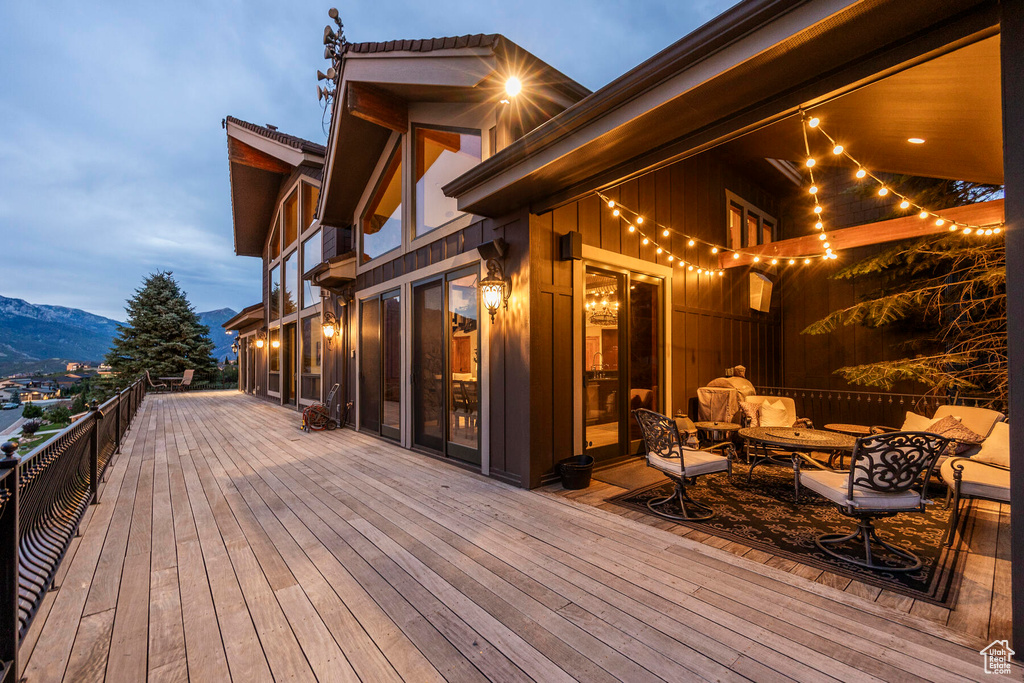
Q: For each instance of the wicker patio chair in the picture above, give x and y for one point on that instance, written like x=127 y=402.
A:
x=887 y=476
x=667 y=454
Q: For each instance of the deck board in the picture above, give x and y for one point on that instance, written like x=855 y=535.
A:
x=229 y=545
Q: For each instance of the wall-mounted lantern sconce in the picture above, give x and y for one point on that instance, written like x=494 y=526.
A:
x=261 y=339
x=331 y=326
x=234 y=347
x=495 y=289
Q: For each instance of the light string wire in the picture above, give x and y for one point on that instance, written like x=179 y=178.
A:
x=633 y=225
x=883 y=190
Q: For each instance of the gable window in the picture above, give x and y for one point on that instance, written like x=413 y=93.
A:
x=310 y=196
x=291 y=219
x=382 y=221
x=311 y=257
x=440 y=155
x=290 y=292
x=749 y=226
x=275 y=292
x=275 y=240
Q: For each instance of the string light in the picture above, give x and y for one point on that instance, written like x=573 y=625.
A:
x=861 y=173
x=633 y=220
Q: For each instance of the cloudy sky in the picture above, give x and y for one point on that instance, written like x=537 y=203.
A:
x=113 y=163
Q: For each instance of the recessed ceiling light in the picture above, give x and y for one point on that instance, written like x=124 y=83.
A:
x=916 y=141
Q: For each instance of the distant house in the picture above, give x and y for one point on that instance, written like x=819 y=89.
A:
x=104 y=369
x=77 y=366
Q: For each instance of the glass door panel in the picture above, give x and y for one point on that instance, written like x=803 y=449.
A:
x=288 y=348
x=369 y=366
x=428 y=342
x=644 y=353
x=603 y=385
x=463 y=361
x=391 y=350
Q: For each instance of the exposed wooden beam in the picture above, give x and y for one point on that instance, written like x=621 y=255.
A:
x=982 y=213
x=377 y=106
x=246 y=155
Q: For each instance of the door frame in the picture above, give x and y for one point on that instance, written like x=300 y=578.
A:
x=610 y=260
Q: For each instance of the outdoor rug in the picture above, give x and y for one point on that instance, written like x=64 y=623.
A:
x=762 y=515
x=630 y=475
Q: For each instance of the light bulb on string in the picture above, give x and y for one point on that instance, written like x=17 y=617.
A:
x=690 y=243
x=807 y=261
x=813 y=123
x=735 y=254
x=646 y=241
x=882 y=191
x=967 y=231
x=615 y=212
x=819 y=225
x=792 y=261
x=611 y=204
x=822 y=237
x=639 y=220
x=814 y=189
x=632 y=228
x=904 y=204
x=775 y=261
x=923 y=215
x=664 y=233
x=817 y=209
x=659 y=250
x=838 y=149
x=714 y=250
x=757 y=259
x=939 y=221
x=861 y=173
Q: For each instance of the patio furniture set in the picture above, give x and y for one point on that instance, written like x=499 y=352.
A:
x=173 y=383
x=887 y=473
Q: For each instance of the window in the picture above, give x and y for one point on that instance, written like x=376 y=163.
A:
x=291 y=219
x=289 y=289
x=274 y=360
x=311 y=257
x=275 y=240
x=749 y=226
x=275 y=292
x=440 y=156
x=380 y=372
x=312 y=350
x=382 y=220
x=310 y=197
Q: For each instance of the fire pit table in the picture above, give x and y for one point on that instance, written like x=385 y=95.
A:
x=791 y=446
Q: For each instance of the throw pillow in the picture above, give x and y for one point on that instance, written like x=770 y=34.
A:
x=774 y=414
x=751 y=413
x=916 y=423
x=952 y=428
x=996 y=448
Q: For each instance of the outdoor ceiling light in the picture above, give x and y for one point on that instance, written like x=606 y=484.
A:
x=513 y=86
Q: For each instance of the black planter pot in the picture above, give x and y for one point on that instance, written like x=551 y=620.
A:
x=575 y=471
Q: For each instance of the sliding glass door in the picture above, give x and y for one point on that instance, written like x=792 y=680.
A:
x=446 y=365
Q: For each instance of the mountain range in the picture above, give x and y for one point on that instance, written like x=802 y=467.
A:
x=36 y=338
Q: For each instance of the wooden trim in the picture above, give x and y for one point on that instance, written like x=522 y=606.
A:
x=246 y=155
x=377 y=106
x=906 y=227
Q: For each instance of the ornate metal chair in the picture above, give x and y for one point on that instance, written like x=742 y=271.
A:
x=885 y=471
x=666 y=453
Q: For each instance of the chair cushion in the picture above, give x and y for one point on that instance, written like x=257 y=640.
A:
x=697 y=463
x=952 y=428
x=996 y=448
x=979 y=480
x=775 y=414
x=835 y=485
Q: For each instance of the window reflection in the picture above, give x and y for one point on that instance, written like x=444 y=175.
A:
x=310 y=196
x=441 y=156
x=275 y=240
x=312 y=349
x=391 y=343
x=463 y=361
x=291 y=278
x=382 y=221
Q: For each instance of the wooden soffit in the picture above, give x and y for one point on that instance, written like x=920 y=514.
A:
x=377 y=106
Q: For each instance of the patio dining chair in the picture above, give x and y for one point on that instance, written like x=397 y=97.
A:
x=887 y=476
x=186 y=380
x=667 y=454
x=152 y=384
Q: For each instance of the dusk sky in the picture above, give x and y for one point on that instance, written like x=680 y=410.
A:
x=113 y=163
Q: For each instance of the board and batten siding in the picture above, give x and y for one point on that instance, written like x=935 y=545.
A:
x=713 y=326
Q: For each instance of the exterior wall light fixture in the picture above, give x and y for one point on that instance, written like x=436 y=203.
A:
x=331 y=326
x=495 y=289
x=261 y=339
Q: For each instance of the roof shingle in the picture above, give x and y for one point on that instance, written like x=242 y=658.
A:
x=293 y=141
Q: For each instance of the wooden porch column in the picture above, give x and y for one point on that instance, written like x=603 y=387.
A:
x=1012 y=59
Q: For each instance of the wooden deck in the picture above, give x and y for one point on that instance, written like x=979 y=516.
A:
x=229 y=545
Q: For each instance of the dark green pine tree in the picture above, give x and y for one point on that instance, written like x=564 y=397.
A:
x=163 y=334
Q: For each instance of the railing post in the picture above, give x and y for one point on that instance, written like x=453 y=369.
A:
x=117 y=421
x=94 y=452
x=9 y=523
